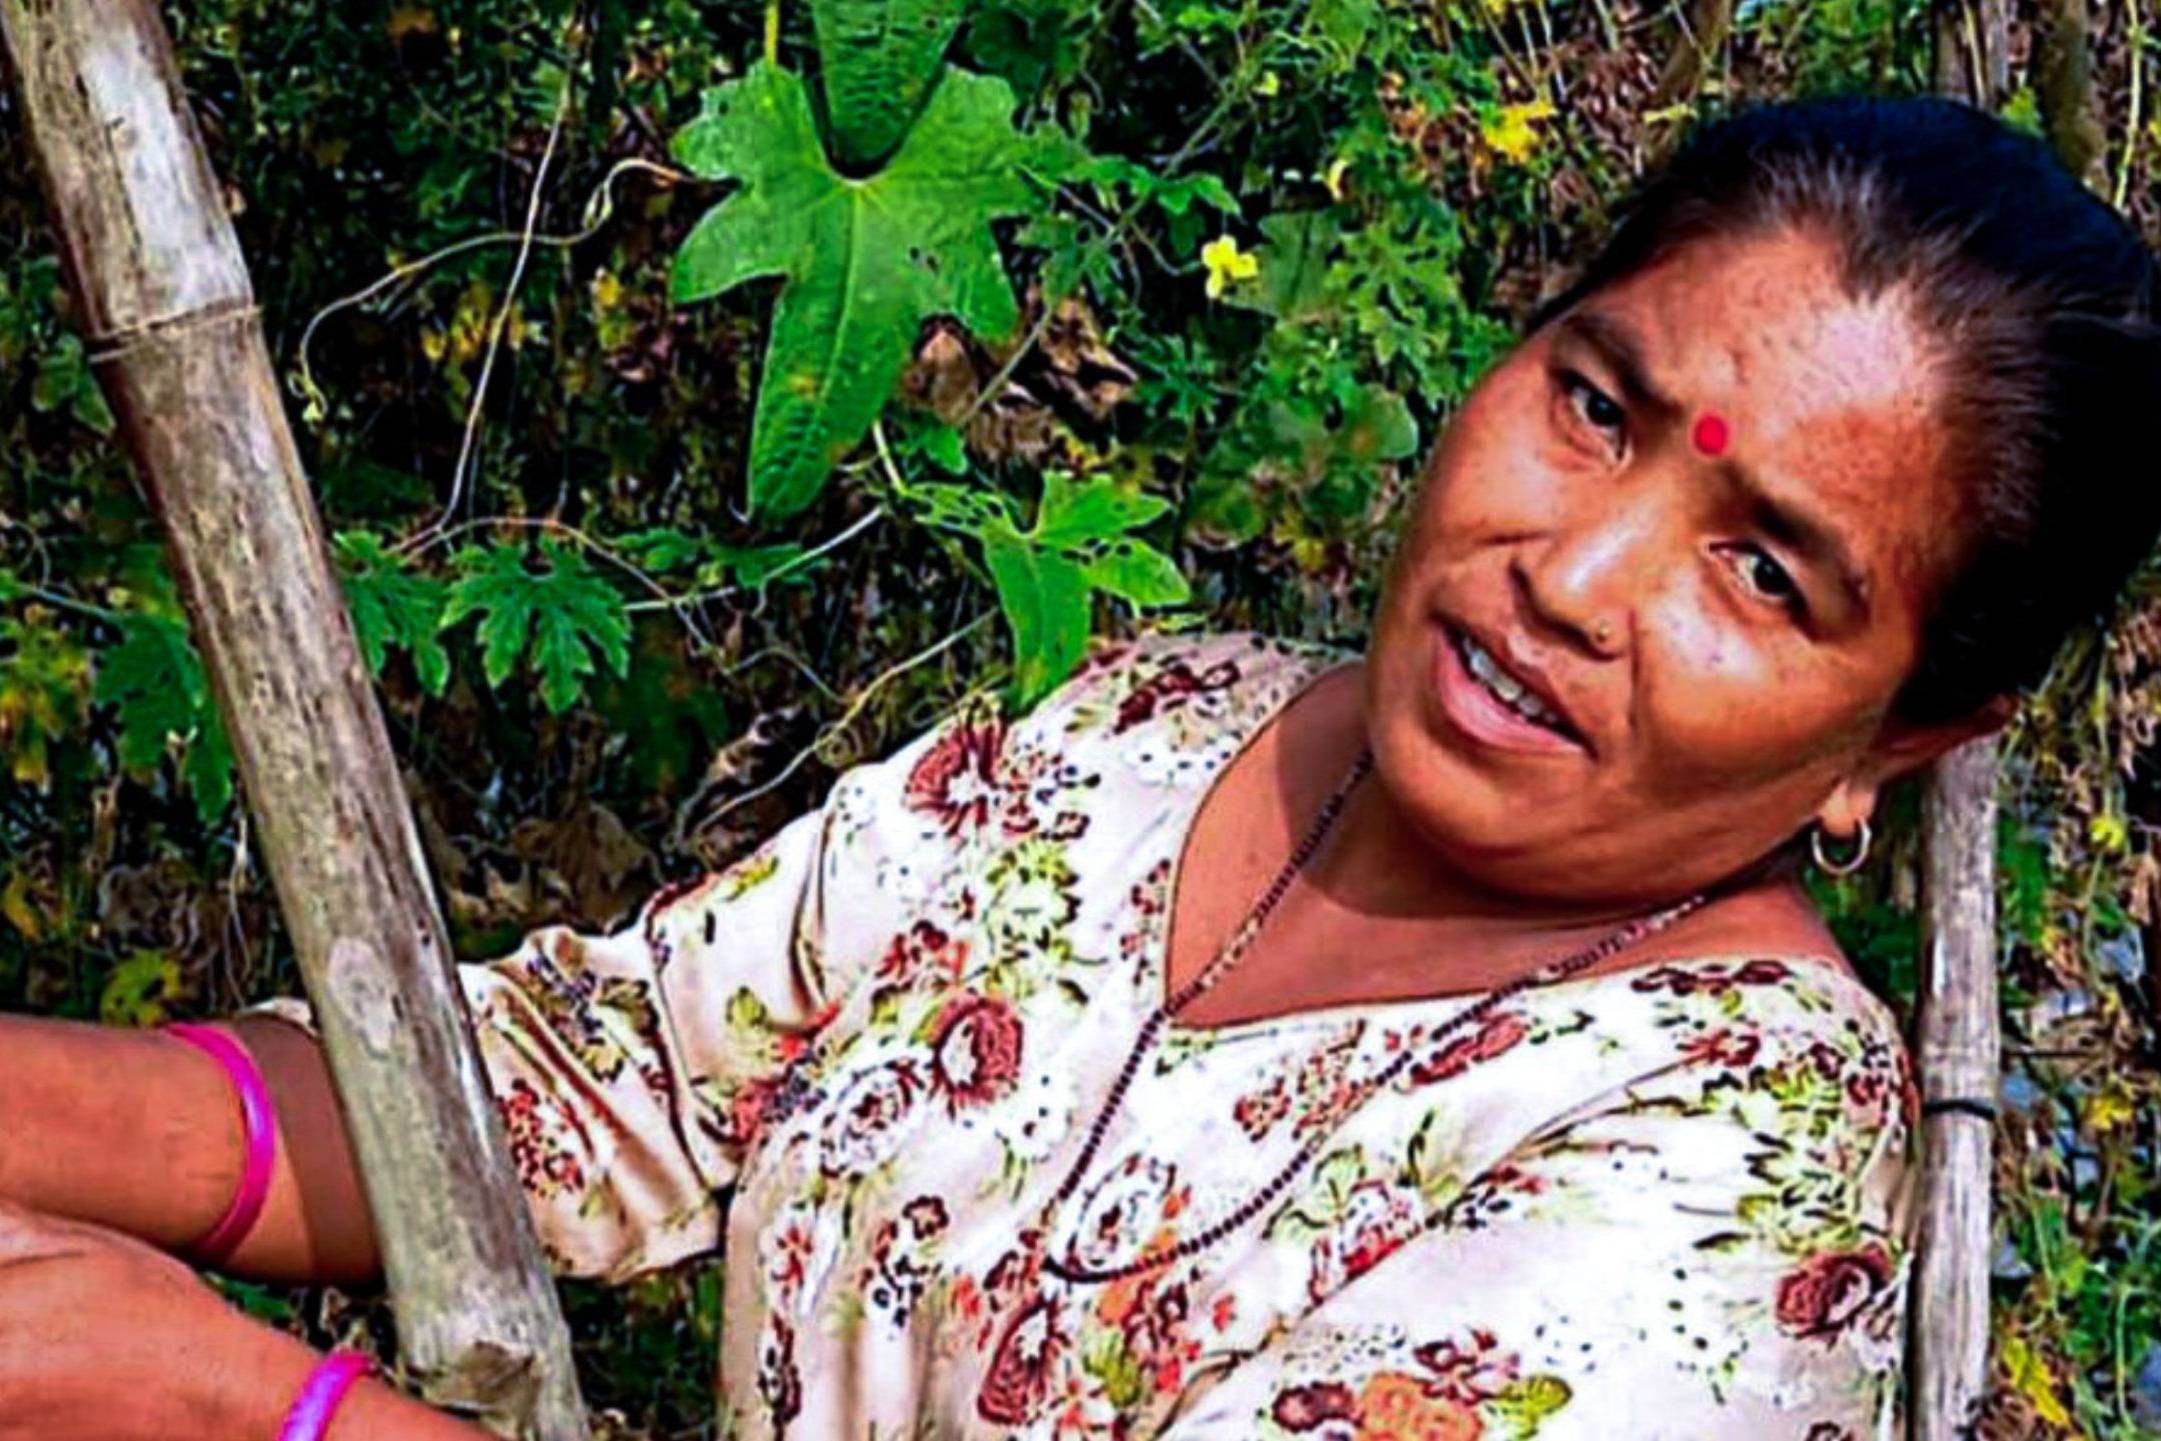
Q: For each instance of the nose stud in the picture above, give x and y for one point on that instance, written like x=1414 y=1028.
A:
x=1711 y=434
x=1602 y=631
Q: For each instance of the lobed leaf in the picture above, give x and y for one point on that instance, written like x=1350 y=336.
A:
x=863 y=262
x=567 y=612
x=878 y=59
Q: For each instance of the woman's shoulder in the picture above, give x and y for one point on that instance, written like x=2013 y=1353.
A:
x=1190 y=680
x=1798 y=1026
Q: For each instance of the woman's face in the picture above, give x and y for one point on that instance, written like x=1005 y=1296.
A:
x=1719 y=627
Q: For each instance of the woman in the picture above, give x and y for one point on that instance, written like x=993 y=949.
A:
x=1258 y=1040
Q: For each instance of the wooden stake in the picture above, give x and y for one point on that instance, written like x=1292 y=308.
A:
x=1957 y=1053
x=171 y=321
x=1957 y=1043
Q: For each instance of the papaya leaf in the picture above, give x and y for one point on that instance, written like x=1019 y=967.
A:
x=392 y=606
x=864 y=262
x=878 y=59
x=567 y=611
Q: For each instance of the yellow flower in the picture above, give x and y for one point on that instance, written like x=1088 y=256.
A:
x=2109 y=1109
x=1512 y=135
x=1334 y=178
x=1227 y=264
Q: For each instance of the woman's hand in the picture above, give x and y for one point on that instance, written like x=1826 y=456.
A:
x=104 y=1338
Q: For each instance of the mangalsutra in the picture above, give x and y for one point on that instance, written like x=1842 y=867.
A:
x=1073 y=1270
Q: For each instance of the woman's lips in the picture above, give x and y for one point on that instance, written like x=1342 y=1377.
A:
x=1479 y=714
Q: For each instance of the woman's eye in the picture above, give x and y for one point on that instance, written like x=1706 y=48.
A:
x=1761 y=573
x=1598 y=409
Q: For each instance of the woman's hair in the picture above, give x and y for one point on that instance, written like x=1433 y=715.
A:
x=2042 y=301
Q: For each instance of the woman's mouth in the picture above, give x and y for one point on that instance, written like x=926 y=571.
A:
x=1490 y=705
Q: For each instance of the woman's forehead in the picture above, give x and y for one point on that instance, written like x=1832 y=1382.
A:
x=1764 y=331
x=1818 y=392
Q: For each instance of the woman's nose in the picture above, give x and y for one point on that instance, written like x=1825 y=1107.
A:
x=1582 y=575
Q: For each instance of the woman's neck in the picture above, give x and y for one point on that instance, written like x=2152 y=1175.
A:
x=1378 y=866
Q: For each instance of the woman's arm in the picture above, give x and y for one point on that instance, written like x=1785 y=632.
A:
x=142 y=1132
x=104 y=1339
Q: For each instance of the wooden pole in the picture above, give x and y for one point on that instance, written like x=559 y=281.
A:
x=1957 y=1052
x=1958 y=1038
x=1959 y=1042
x=170 y=317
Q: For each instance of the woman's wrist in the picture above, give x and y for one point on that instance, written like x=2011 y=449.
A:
x=256 y=1400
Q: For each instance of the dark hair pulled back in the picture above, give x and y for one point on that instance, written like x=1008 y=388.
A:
x=2042 y=301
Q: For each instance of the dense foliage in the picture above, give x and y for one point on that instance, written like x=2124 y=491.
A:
x=700 y=396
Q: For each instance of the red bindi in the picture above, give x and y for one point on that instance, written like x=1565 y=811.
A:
x=1711 y=433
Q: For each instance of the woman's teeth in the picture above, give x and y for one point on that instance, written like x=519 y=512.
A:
x=1504 y=687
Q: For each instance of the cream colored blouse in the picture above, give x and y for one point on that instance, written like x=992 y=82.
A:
x=1662 y=1203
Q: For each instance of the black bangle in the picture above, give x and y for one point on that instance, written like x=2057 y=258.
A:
x=1962 y=1105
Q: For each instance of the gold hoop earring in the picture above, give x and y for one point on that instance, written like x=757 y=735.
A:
x=1845 y=867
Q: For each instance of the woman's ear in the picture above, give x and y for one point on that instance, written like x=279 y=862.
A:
x=1903 y=746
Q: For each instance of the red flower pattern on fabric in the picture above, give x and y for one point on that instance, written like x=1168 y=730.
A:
x=976 y=1057
x=1822 y=1296
x=956 y=780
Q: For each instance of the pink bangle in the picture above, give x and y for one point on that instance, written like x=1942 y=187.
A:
x=320 y=1394
x=262 y=1142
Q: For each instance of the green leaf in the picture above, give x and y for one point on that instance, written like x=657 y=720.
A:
x=157 y=682
x=392 y=606
x=1293 y=283
x=970 y=512
x=138 y=989
x=754 y=565
x=1045 y=576
x=1377 y=425
x=942 y=444
x=1045 y=599
x=1135 y=571
x=567 y=611
x=1344 y=25
x=865 y=262
x=1073 y=515
x=878 y=59
x=64 y=379
x=44 y=678
x=661 y=548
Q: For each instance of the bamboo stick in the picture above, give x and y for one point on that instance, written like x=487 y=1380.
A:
x=1957 y=1052
x=1957 y=1042
x=170 y=315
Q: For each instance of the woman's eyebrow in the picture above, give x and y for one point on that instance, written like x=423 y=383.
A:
x=1616 y=342
x=1800 y=528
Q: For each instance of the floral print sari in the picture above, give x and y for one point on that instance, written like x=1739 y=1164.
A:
x=1667 y=1202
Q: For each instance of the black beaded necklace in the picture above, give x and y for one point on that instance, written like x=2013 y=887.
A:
x=1071 y=1269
